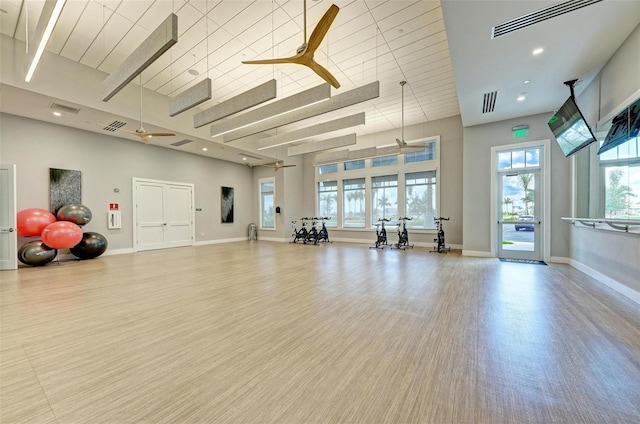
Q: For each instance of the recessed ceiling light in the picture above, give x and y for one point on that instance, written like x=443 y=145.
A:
x=526 y=81
x=521 y=97
x=244 y=158
x=57 y=114
x=204 y=149
x=537 y=51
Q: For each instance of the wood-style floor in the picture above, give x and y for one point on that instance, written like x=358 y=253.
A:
x=260 y=332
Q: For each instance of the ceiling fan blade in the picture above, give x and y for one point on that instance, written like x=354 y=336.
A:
x=271 y=61
x=321 y=29
x=285 y=166
x=400 y=143
x=324 y=74
x=154 y=134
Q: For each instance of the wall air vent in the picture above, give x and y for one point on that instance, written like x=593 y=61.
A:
x=112 y=127
x=249 y=156
x=539 y=16
x=182 y=142
x=489 y=101
x=63 y=108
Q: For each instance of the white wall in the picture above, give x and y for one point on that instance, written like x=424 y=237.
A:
x=108 y=162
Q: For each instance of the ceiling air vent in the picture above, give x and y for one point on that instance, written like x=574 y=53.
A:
x=182 y=143
x=489 y=101
x=63 y=108
x=539 y=16
x=112 y=127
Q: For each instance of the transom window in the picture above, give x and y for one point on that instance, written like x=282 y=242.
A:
x=384 y=161
x=428 y=153
x=516 y=159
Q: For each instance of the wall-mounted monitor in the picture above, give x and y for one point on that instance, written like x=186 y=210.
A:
x=624 y=127
x=570 y=128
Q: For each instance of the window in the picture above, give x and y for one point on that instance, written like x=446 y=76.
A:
x=354 y=164
x=384 y=161
x=420 y=199
x=384 y=197
x=353 y=211
x=428 y=153
x=267 y=200
x=327 y=169
x=621 y=174
x=526 y=158
x=328 y=201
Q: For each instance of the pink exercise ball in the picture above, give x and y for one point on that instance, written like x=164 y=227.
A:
x=32 y=221
x=62 y=235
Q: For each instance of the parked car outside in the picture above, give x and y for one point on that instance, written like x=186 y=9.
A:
x=523 y=226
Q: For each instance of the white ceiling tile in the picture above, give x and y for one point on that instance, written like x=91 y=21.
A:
x=85 y=31
x=66 y=23
x=113 y=32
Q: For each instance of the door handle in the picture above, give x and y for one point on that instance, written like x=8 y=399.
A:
x=7 y=230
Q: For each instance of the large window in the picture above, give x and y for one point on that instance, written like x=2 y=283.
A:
x=428 y=153
x=354 y=164
x=328 y=201
x=353 y=210
x=384 y=197
x=328 y=169
x=620 y=172
x=267 y=200
x=384 y=161
x=420 y=199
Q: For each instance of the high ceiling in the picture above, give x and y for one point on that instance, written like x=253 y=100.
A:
x=370 y=40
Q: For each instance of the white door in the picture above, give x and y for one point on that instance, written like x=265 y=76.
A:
x=163 y=215
x=8 y=232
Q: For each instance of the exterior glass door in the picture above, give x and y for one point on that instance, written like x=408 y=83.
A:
x=520 y=211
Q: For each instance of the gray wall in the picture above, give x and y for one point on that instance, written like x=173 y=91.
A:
x=478 y=141
x=615 y=255
x=109 y=162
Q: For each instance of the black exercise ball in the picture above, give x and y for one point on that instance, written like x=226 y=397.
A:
x=91 y=246
x=78 y=214
x=36 y=253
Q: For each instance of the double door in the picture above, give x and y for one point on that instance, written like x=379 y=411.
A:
x=164 y=215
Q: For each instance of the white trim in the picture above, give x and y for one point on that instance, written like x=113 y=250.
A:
x=478 y=254
x=220 y=241
x=279 y=240
x=625 y=104
x=559 y=260
x=124 y=251
x=607 y=281
x=546 y=175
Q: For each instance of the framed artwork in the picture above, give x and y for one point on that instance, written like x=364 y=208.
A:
x=65 y=187
x=226 y=205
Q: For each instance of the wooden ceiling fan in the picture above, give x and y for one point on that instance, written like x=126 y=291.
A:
x=277 y=165
x=401 y=143
x=140 y=132
x=306 y=51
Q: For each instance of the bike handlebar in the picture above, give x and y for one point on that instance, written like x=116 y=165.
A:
x=441 y=219
x=405 y=218
x=384 y=219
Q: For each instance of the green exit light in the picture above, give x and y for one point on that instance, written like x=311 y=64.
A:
x=519 y=133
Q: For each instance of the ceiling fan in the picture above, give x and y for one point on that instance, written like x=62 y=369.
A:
x=277 y=165
x=306 y=51
x=140 y=132
x=401 y=143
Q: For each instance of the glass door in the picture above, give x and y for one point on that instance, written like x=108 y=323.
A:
x=519 y=214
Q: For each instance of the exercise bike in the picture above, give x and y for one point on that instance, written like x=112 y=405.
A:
x=312 y=234
x=323 y=234
x=440 y=248
x=301 y=234
x=381 y=235
x=403 y=234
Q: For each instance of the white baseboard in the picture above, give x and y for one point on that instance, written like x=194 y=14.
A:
x=559 y=260
x=110 y=252
x=607 y=281
x=477 y=253
x=276 y=239
x=229 y=240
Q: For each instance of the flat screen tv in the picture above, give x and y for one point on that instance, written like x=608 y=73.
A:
x=624 y=127
x=570 y=128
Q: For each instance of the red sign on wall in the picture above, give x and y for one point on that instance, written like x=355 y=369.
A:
x=113 y=206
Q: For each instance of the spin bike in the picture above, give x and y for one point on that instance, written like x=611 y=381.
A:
x=323 y=234
x=312 y=235
x=403 y=235
x=301 y=234
x=381 y=235
x=440 y=248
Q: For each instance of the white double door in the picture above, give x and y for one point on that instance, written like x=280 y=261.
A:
x=8 y=231
x=164 y=214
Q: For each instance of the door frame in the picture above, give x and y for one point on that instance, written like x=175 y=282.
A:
x=12 y=259
x=545 y=230
x=135 y=181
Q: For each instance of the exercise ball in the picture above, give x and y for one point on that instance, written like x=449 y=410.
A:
x=78 y=214
x=91 y=246
x=32 y=221
x=36 y=253
x=61 y=235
